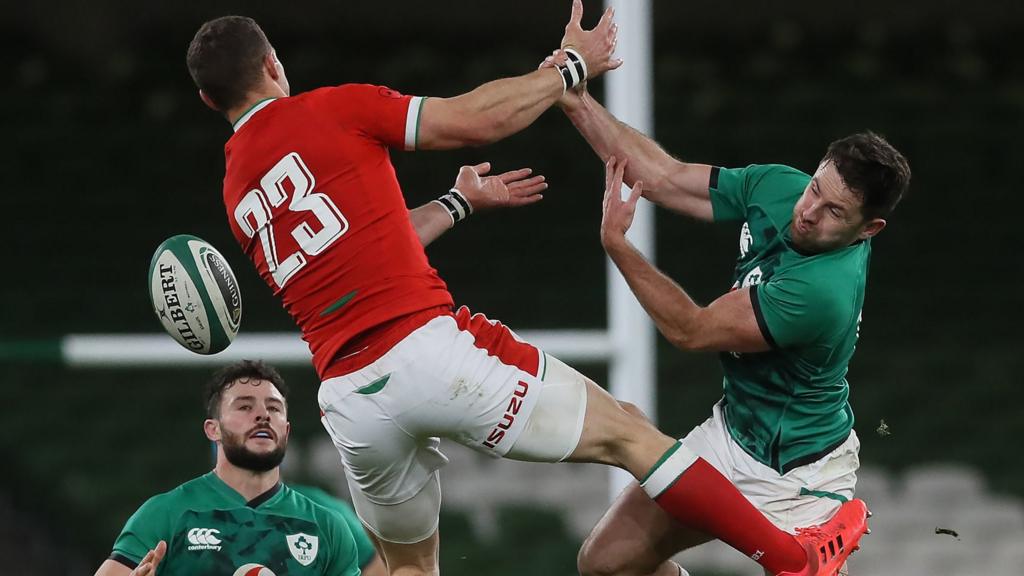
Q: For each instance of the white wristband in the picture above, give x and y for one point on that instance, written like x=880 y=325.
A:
x=577 y=59
x=456 y=205
x=574 y=72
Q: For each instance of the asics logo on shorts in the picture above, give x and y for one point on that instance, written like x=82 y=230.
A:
x=203 y=539
x=514 y=404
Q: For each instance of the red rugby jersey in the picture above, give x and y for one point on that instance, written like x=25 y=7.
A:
x=312 y=198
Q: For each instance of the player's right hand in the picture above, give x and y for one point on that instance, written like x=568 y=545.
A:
x=151 y=560
x=597 y=45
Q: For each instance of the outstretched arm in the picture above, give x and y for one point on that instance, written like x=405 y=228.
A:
x=727 y=325
x=679 y=186
x=503 y=107
x=480 y=193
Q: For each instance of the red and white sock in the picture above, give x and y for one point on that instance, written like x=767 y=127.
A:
x=699 y=497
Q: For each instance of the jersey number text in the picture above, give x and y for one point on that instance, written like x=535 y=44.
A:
x=253 y=216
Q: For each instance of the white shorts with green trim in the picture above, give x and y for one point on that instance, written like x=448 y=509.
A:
x=463 y=377
x=805 y=496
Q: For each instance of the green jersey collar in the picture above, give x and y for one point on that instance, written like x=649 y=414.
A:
x=228 y=492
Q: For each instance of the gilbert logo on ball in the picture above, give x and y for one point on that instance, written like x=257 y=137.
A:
x=195 y=294
x=253 y=570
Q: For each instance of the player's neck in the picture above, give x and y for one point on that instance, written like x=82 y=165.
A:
x=254 y=98
x=248 y=483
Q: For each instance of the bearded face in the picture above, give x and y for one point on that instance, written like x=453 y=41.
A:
x=258 y=457
x=252 y=426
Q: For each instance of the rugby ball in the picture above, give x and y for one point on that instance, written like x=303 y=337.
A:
x=195 y=294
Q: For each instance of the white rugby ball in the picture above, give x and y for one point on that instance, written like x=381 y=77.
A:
x=195 y=294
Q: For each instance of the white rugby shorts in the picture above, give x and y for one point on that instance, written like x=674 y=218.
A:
x=462 y=377
x=807 y=495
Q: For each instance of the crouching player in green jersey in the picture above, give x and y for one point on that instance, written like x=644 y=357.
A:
x=238 y=519
x=783 y=432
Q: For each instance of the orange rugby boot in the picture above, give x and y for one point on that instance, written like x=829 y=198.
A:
x=830 y=544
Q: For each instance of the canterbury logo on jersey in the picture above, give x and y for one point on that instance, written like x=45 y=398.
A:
x=203 y=539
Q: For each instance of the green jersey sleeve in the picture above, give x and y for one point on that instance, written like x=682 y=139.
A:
x=793 y=310
x=734 y=190
x=149 y=525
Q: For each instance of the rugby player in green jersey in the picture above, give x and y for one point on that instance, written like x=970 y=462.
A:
x=786 y=330
x=239 y=519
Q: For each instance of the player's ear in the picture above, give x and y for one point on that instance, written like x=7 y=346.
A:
x=206 y=100
x=872 y=228
x=212 y=429
x=271 y=65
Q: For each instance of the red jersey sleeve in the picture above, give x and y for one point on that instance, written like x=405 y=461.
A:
x=377 y=112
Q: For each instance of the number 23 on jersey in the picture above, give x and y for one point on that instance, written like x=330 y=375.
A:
x=253 y=215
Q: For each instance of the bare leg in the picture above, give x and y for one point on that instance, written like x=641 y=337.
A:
x=636 y=538
x=618 y=434
x=419 y=559
x=377 y=567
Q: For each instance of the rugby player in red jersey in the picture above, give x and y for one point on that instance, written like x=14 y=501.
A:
x=312 y=198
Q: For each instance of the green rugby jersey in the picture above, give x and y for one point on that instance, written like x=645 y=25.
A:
x=364 y=547
x=211 y=530
x=788 y=406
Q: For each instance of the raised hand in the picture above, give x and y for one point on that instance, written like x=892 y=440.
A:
x=596 y=45
x=617 y=214
x=507 y=190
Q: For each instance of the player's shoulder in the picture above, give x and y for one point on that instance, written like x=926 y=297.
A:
x=843 y=263
x=322 y=499
x=351 y=91
x=303 y=498
x=299 y=501
x=165 y=503
x=777 y=182
x=769 y=191
x=831 y=280
x=330 y=520
x=772 y=170
x=755 y=175
x=198 y=486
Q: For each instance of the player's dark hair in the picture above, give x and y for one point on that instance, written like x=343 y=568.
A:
x=241 y=372
x=225 y=59
x=872 y=169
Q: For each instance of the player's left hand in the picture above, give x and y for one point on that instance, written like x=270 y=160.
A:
x=507 y=190
x=596 y=46
x=617 y=215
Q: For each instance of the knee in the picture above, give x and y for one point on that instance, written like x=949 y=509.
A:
x=593 y=560
x=633 y=410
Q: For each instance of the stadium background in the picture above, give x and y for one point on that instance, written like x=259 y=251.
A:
x=107 y=151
